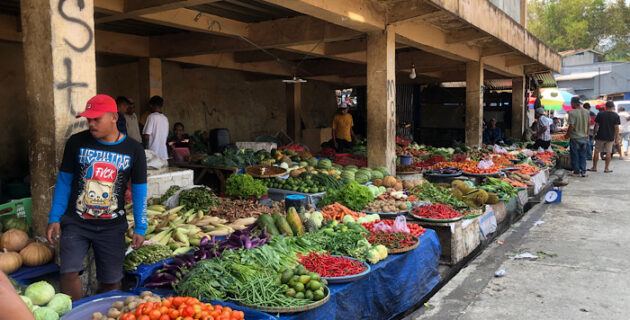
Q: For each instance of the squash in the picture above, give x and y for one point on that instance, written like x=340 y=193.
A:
x=36 y=254
x=377 y=182
x=389 y=181
x=14 y=222
x=14 y=240
x=398 y=186
x=10 y=261
x=294 y=222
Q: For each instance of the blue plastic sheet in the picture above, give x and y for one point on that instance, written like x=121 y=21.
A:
x=26 y=273
x=393 y=286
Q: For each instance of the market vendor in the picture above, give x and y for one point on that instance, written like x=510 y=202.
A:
x=88 y=204
x=492 y=134
x=542 y=134
x=555 y=125
x=342 y=132
x=13 y=307
x=179 y=142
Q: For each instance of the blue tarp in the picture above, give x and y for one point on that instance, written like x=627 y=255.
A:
x=26 y=273
x=393 y=286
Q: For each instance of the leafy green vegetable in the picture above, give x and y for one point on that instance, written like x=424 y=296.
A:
x=171 y=191
x=353 y=195
x=147 y=254
x=435 y=194
x=244 y=186
x=199 y=198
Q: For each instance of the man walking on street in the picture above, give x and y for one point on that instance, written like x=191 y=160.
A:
x=155 y=132
x=577 y=133
x=606 y=134
x=88 y=207
x=589 y=154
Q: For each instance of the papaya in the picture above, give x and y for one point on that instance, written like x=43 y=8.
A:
x=283 y=226
x=266 y=222
x=294 y=222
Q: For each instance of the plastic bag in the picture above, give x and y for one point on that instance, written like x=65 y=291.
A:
x=540 y=150
x=153 y=161
x=400 y=225
x=382 y=227
x=485 y=164
x=498 y=149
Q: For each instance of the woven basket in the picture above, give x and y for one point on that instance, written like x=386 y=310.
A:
x=271 y=172
x=293 y=309
x=565 y=161
x=405 y=249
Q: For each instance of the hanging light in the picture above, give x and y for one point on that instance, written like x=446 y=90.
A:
x=412 y=75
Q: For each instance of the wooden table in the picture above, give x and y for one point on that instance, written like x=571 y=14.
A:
x=222 y=173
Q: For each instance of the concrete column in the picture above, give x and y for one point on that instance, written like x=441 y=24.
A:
x=518 y=107
x=60 y=72
x=474 y=103
x=381 y=99
x=294 y=111
x=150 y=77
x=524 y=13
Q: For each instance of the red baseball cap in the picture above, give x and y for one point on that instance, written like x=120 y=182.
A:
x=98 y=105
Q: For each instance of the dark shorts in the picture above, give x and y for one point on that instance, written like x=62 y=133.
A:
x=541 y=143
x=108 y=243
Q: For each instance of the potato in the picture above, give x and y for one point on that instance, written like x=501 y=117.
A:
x=113 y=313
x=145 y=294
x=118 y=305
x=133 y=305
x=130 y=300
x=97 y=316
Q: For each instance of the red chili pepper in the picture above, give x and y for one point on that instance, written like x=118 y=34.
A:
x=329 y=266
x=437 y=211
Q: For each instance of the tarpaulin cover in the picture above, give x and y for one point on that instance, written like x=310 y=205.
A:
x=27 y=273
x=393 y=286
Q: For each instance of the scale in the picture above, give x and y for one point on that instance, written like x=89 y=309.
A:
x=553 y=196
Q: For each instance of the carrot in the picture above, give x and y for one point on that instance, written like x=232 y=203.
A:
x=337 y=211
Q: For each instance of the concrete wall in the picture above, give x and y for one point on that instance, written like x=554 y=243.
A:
x=578 y=59
x=511 y=7
x=13 y=120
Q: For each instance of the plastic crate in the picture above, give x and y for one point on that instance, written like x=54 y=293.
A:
x=344 y=159
x=21 y=208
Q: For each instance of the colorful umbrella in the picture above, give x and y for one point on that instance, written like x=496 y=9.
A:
x=598 y=104
x=553 y=99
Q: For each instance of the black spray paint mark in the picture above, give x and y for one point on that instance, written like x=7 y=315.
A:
x=75 y=126
x=68 y=85
x=81 y=6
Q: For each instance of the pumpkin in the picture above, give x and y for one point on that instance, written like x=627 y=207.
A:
x=389 y=181
x=16 y=223
x=36 y=254
x=14 y=240
x=10 y=261
x=398 y=186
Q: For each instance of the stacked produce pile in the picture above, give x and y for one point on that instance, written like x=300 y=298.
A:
x=18 y=249
x=518 y=179
x=391 y=201
x=243 y=186
x=414 y=229
x=241 y=158
x=437 y=211
x=469 y=166
x=331 y=266
x=392 y=241
x=500 y=187
x=41 y=299
x=305 y=183
x=353 y=196
x=527 y=169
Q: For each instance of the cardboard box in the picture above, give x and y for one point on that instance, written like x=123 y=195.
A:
x=313 y=138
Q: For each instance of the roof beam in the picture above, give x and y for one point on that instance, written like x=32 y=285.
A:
x=268 y=34
x=104 y=41
x=466 y=36
x=403 y=11
x=518 y=61
x=496 y=51
x=134 y=8
x=270 y=55
x=360 y=15
x=226 y=61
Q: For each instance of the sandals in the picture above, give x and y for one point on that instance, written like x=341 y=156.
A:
x=608 y=171
x=591 y=170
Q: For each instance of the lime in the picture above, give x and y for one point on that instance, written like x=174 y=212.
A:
x=304 y=279
x=291 y=292
x=286 y=276
x=314 y=285
x=299 y=295
x=318 y=294
x=309 y=295
x=314 y=276
x=299 y=287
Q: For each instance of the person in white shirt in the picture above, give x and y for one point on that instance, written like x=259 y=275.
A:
x=543 y=132
x=155 y=132
x=624 y=130
x=127 y=107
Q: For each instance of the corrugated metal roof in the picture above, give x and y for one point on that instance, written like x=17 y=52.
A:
x=545 y=79
x=580 y=75
x=246 y=10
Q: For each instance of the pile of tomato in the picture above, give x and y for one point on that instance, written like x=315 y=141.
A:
x=182 y=308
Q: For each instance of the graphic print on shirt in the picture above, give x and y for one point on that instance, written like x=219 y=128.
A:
x=98 y=199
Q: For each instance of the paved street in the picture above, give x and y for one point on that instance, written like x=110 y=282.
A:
x=582 y=270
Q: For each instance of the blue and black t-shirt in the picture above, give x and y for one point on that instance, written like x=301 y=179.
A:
x=93 y=178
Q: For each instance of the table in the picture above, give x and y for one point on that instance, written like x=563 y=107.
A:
x=392 y=287
x=221 y=172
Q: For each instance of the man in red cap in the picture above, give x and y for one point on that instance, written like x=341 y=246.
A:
x=89 y=203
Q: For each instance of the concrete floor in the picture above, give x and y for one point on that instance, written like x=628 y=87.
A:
x=582 y=270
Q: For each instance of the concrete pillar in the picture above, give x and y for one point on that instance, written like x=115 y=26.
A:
x=381 y=99
x=150 y=77
x=60 y=72
x=294 y=111
x=518 y=107
x=474 y=103
x=524 y=13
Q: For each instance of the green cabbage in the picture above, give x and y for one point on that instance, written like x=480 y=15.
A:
x=28 y=302
x=40 y=292
x=45 y=313
x=61 y=303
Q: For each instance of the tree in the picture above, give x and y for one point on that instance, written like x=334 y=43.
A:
x=580 y=24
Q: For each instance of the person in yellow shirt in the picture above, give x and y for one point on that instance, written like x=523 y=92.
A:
x=342 y=129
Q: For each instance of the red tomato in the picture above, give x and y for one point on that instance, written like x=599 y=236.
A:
x=144 y=317
x=173 y=313
x=164 y=317
x=167 y=303
x=215 y=313
x=189 y=318
x=163 y=310
x=178 y=301
x=239 y=315
x=189 y=311
x=128 y=316
x=155 y=314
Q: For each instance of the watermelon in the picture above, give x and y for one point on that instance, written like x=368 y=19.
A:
x=324 y=164
x=382 y=170
x=347 y=175
x=303 y=164
x=377 y=175
x=361 y=178
x=312 y=162
x=351 y=166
